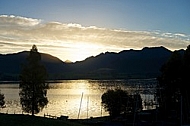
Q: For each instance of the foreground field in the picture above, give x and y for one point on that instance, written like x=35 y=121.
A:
x=128 y=120
x=28 y=120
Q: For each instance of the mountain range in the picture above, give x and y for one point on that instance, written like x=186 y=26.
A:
x=126 y=64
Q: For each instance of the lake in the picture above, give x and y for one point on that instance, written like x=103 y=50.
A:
x=78 y=98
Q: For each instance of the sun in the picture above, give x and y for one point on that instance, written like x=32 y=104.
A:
x=81 y=51
x=74 y=51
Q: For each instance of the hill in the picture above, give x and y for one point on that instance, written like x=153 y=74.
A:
x=126 y=64
x=11 y=64
x=143 y=63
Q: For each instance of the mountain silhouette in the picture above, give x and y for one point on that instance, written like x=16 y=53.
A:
x=144 y=63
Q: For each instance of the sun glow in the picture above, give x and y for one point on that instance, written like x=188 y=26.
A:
x=82 y=51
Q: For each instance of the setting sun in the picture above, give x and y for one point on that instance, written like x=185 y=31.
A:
x=82 y=51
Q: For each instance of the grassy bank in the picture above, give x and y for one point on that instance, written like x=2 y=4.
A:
x=28 y=120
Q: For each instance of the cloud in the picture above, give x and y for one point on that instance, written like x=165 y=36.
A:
x=20 y=33
x=6 y=20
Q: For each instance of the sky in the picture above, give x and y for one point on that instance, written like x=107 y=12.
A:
x=76 y=29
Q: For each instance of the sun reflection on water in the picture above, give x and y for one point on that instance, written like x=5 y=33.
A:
x=65 y=97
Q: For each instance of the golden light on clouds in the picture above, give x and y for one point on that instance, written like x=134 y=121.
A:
x=75 y=42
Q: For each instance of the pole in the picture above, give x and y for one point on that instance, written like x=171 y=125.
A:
x=101 y=110
x=87 y=106
x=136 y=105
x=181 y=112
x=80 y=105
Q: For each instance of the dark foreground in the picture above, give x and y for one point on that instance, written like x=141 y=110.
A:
x=144 y=119
x=28 y=120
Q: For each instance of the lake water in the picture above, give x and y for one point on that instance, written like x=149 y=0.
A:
x=78 y=98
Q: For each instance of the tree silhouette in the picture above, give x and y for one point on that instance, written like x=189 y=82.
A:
x=33 y=83
x=173 y=91
x=119 y=101
x=2 y=100
x=169 y=81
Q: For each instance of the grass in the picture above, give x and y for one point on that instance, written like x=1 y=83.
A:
x=28 y=120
